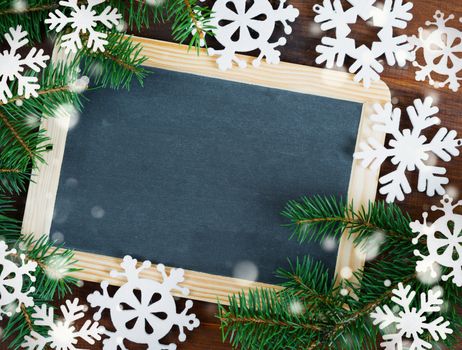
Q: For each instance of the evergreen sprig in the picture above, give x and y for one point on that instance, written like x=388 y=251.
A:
x=335 y=312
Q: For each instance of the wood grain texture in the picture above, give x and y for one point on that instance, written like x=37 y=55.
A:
x=300 y=49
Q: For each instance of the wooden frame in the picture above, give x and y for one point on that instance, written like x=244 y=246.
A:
x=304 y=79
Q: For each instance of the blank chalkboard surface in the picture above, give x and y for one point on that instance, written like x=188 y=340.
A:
x=193 y=172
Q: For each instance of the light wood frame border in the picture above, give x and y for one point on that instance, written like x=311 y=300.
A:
x=304 y=79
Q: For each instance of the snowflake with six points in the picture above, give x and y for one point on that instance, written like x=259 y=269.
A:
x=12 y=281
x=83 y=19
x=242 y=27
x=62 y=334
x=12 y=66
x=143 y=310
x=410 y=323
x=443 y=240
x=409 y=149
x=367 y=67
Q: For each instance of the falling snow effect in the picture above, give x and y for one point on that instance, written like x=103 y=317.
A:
x=83 y=19
x=444 y=241
x=367 y=66
x=12 y=66
x=410 y=323
x=147 y=303
x=243 y=28
x=12 y=281
x=442 y=50
x=62 y=334
x=409 y=149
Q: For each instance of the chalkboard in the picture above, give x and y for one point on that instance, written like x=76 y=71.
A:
x=193 y=172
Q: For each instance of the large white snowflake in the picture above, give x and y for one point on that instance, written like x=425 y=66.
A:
x=12 y=66
x=333 y=50
x=62 y=334
x=242 y=26
x=442 y=52
x=83 y=19
x=12 y=276
x=409 y=149
x=443 y=240
x=142 y=310
x=410 y=323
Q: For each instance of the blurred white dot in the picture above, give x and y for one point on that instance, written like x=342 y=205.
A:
x=97 y=212
x=121 y=26
x=67 y=116
x=395 y=309
x=387 y=283
x=438 y=290
x=246 y=270
x=296 y=307
x=19 y=5
x=22 y=246
x=329 y=244
x=57 y=237
x=71 y=182
x=85 y=308
x=19 y=103
x=346 y=273
x=344 y=292
x=430 y=275
x=371 y=246
x=32 y=120
x=452 y=191
x=155 y=2
x=394 y=100
x=79 y=85
x=80 y=283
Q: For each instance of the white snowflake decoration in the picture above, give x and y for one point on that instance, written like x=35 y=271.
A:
x=442 y=50
x=254 y=24
x=83 y=19
x=148 y=318
x=62 y=334
x=12 y=66
x=409 y=149
x=410 y=323
x=444 y=241
x=12 y=281
x=333 y=50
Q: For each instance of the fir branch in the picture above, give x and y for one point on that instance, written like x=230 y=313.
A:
x=15 y=134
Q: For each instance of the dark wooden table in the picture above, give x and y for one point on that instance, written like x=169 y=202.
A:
x=301 y=49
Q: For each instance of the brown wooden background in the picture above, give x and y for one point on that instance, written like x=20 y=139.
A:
x=301 y=49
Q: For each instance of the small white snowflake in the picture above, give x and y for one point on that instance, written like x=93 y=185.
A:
x=12 y=66
x=409 y=149
x=83 y=19
x=242 y=27
x=142 y=310
x=333 y=50
x=12 y=281
x=442 y=49
x=410 y=323
x=444 y=241
x=62 y=334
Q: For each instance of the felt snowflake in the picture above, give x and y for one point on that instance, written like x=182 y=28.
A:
x=12 y=281
x=409 y=149
x=410 y=323
x=333 y=50
x=442 y=50
x=12 y=66
x=444 y=241
x=142 y=310
x=62 y=334
x=242 y=27
x=83 y=19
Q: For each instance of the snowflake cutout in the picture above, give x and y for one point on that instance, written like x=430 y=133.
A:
x=442 y=50
x=142 y=310
x=410 y=322
x=62 y=334
x=242 y=26
x=367 y=67
x=12 y=281
x=82 y=20
x=12 y=66
x=444 y=241
x=409 y=149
